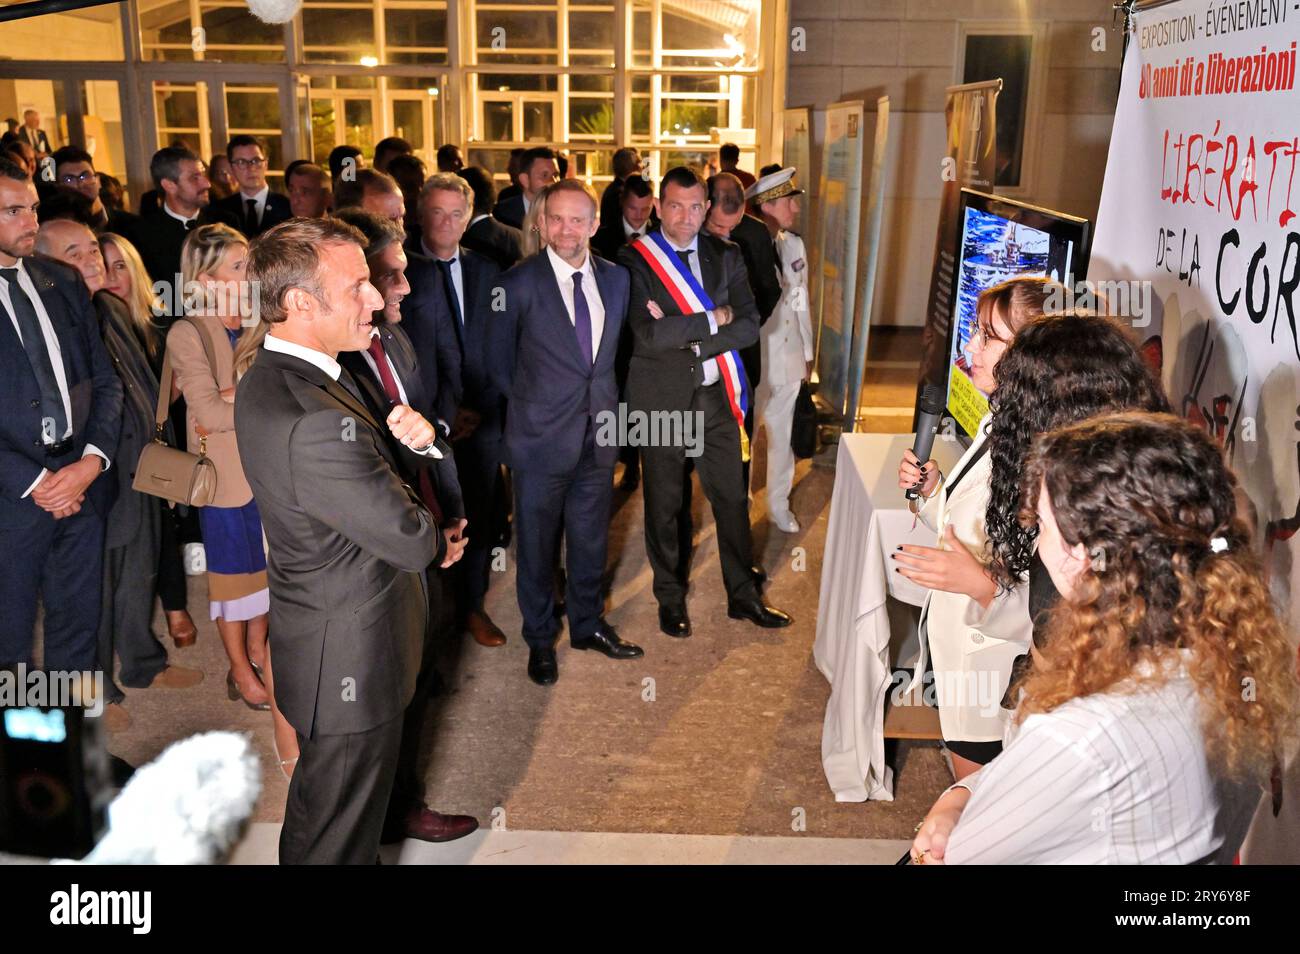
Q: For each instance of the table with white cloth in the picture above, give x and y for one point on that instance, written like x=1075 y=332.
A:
x=869 y=518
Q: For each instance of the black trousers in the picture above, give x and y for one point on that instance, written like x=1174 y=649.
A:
x=719 y=467
x=171 y=568
x=338 y=797
x=576 y=503
x=126 y=617
x=479 y=469
x=408 y=784
x=58 y=563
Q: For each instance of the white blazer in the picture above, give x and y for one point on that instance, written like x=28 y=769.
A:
x=971 y=648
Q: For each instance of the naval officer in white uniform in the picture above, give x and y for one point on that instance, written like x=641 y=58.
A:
x=786 y=339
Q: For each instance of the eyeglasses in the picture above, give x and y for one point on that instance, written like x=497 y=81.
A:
x=248 y=163
x=81 y=177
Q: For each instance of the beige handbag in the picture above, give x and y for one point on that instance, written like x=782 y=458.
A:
x=168 y=472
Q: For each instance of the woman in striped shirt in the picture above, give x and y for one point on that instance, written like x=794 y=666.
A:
x=1166 y=689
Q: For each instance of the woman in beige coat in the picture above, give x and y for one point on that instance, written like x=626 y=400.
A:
x=203 y=349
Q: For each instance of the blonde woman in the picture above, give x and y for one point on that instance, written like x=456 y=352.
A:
x=125 y=277
x=202 y=347
x=534 y=237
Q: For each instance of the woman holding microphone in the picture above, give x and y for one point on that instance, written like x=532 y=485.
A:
x=971 y=668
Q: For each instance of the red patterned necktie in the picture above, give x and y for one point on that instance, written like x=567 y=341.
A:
x=394 y=396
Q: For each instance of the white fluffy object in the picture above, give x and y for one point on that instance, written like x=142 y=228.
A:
x=189 y=806
x=274 y=11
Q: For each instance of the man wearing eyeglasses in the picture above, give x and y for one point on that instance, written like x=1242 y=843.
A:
x=255 y=207
x=74 y=170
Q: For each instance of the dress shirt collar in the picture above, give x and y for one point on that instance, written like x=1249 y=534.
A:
x=564 y=271
x=483 y=215
x=628 y=231
x=22 y=270
x=436 y=257
x=258 y=197
x=694 y=245
x=176 y=215
x=319 y=358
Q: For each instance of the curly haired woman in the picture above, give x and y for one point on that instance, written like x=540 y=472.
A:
x=1165 y=689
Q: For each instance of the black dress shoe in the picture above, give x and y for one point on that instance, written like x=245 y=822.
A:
x=541 y=666
x=769 y=617
x=759 y=574
x=673 y=621
x=607 y=641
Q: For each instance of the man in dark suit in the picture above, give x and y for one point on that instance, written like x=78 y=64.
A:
x=60 y=419
x=727 y=220
x=537 y=169
x=554 y=361
x=388 y=373
x=31 y=133
x=468 y=281
x=133 y=525
x=182 y=180
x=485 y=235
x=255 y=207
x=626 y=162
x=673 y=370
x=631 y=221
x=75 y=171
x=349 y=541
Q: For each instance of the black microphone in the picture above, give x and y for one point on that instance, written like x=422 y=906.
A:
x=929 y=413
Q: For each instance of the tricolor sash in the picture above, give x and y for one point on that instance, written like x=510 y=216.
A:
x=691 y=298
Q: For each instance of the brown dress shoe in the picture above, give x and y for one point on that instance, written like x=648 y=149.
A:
x=180 y=626
x=424 y=824
x=116 y=719
x=176 y=677
x=484 y=631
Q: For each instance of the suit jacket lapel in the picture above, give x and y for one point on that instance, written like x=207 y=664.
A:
x=53 y=303
x=613 y=312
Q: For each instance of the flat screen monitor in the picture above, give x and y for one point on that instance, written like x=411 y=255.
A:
x=1002 y=239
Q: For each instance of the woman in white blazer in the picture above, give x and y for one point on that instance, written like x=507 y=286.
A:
x=971 y=664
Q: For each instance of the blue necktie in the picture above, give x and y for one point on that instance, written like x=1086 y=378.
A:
x=582 y=318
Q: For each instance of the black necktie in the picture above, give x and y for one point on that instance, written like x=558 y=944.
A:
x=54 y=420
x=190 y=223
x=685 y=255
x=450 y=286
x=250 y=216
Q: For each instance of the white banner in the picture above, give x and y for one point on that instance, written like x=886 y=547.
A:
x=1200 y=200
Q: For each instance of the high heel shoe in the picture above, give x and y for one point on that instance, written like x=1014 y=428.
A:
x=286 y=765
x=233 y=693
x=181 y=628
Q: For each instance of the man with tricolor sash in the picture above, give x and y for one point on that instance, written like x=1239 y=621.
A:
x=690 y=312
